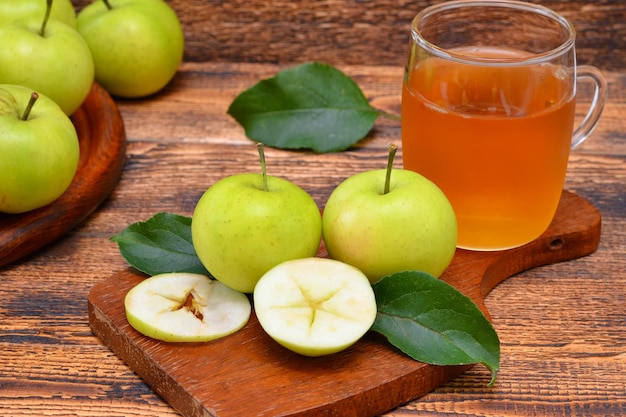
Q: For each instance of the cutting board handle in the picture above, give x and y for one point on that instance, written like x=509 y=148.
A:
x=574 y=233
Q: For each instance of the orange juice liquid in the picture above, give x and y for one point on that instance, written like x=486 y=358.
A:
x=496 y=140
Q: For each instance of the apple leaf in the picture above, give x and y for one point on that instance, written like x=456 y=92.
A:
x=310 y=106
x=432 y=322
x=160 y=245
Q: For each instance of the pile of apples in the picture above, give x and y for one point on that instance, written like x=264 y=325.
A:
x=260 y=234
x=131 y=47
x=256 y=234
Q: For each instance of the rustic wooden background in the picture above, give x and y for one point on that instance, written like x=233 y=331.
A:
x=562 y=327
x=357 y=32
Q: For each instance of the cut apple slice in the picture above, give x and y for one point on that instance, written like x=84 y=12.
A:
x=315 y=306
x=183 y=307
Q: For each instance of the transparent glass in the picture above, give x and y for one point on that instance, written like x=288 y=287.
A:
x=488 y=109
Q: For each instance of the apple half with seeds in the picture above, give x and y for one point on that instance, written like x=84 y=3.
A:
x=185 y=307
x=315 y=306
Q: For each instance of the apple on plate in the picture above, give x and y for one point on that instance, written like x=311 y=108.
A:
x=246 y=224
x=390 y=220
x=62 y=10
x=47 y=56
x=315 y=306
x=137 y=45
x=183 y=307
x=39 y=148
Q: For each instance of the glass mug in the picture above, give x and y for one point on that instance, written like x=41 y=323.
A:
x=488 y=109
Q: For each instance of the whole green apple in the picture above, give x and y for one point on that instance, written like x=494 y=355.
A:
x=137 y=45
x=62 y=10
x=245 y=224
x=57 y=63
x=387 y=221
x=39 y=148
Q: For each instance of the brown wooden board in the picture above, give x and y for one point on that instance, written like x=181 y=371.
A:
x=344 y=32
x=248 y=374
x=102 y=138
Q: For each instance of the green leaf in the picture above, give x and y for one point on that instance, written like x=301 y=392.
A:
x=434 y=323
x=310 y=106
x=159 y=245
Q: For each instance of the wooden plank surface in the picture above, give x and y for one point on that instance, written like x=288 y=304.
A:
x=562 y=327
x=357 y=32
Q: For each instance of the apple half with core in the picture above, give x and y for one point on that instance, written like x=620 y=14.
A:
x=182 y=307
x=387 y=221
x=47 y=56
x=39 y=150
x=62 y=10
x=245 y=224
x=315 y=306
x=137 y=45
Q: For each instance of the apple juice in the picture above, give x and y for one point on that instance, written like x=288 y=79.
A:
x=495 y=139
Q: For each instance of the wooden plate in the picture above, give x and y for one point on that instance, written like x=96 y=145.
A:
x=102 y=139
x=248 y=374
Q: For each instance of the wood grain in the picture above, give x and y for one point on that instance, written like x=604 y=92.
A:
x=357 y=32
x=102 y=139
x=369 y=378
x=561 y=326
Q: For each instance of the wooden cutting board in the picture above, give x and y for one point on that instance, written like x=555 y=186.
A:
x=248 y=374
x=102 y=140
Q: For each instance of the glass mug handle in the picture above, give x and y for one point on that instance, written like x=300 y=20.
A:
x=592 y=117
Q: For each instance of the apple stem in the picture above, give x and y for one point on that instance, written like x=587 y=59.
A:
x=33 y=98
x=42 y=32
x=261 y=148
x=392 y=154
x=107 y=4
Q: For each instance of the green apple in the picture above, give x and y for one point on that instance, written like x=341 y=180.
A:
x=39 y=150
x=62 y=10
x=387 y=221
x=245 y=224
x=183 y=307
x=137 y=45
x=57 y=63
x=315 y=306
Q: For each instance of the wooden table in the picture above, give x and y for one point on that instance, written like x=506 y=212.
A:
x=562 y=327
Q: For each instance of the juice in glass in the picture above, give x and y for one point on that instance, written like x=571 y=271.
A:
x=496 y=140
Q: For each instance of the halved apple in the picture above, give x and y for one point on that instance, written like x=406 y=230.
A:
x=315 y=306
x=184 y=307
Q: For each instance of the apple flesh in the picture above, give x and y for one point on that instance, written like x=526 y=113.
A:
x=411 y=227
x=39 y=155
x=137 y=45
x=183 y=307
x=315 y=306
x=240 y=229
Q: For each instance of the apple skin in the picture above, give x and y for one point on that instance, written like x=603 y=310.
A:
x=240 y=231
x=57 y=65
x=39 y=155
x=62 y=10
x=413 y=227
x=137 y=46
